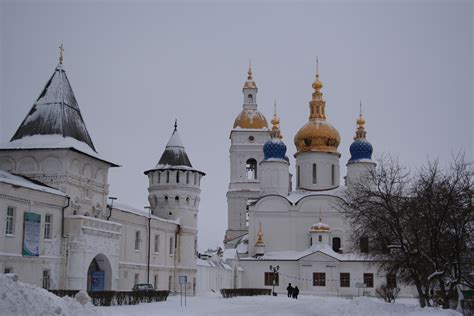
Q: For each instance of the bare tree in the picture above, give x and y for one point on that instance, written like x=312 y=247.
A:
x=419 y=226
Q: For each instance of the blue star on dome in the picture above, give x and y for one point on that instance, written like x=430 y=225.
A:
x=274 y=148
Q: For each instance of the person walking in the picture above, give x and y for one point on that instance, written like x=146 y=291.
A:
x=289 y=288
x=296 y=291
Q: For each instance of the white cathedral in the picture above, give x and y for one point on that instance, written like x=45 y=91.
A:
x=299 y=231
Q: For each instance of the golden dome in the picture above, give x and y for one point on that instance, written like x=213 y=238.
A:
x=317 y=134
x=249 y=118
x=320 y=227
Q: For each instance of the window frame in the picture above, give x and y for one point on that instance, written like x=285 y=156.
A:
x=172 y=245
x=251 y=169
x=344 y=279
x=138 y=239
x=46 y=279
x=315 y=173
x=48 y=224
x=269 y=277
x=368 y=280
x=156 y=245
x=391 y=279
x=319 y=279
x=10 y=221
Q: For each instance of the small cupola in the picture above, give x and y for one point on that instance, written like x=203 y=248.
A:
x=360 y=148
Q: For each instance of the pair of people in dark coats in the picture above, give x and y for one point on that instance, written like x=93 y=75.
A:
x=293 y=291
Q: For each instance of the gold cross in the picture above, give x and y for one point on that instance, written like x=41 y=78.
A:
x=61 y=54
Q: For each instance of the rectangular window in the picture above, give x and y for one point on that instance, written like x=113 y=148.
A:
x=364 y=244
x=333 y=174
x=46 y=279
x=369 y=279
x=391 y=280
x=155 y=282
x=314 y=174
x=138 y=239
x=47 y=226
x=270 y=278
x=157 y=243
x=159 y=177
x=136 y=278
x=187 y=177
x=319 y=279
x=298 y=177
x=177 y=176
x=345 y=279
x=167 y=176
x=195 y=178
x=171 y=245
x=10 y=223
x=8 y=270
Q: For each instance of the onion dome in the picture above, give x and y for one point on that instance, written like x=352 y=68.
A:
x=360 y=148
x=250 y=118
x=275 y=148
x=317 y=135
x=320 y=227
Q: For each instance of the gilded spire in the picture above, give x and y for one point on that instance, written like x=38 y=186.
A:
x=260 y=241
x=360 y=133
x=275 y=123
x=250 y=84
x=61 y=54
x=317 y=105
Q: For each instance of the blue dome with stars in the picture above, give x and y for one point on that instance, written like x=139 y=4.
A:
x=360 y=149
x=275 y=148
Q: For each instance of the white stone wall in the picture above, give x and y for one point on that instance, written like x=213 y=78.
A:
x=323 y=161
x=275 y=177
x=211 y=278
x=30 y=269
x=358 y=170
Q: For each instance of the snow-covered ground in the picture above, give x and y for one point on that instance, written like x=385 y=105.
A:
x=280 y=305
x=17 y=298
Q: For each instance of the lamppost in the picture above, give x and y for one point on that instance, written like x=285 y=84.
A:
x=149 y=241
x=274 y=269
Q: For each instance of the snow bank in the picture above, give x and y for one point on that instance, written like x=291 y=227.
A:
x=18 y=298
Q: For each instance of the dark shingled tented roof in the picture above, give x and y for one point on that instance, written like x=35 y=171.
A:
x=55 y=112
x=174 y=154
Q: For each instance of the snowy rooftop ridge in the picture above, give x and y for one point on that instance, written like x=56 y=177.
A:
x=174 y=153
x=141 y=212
x=6 y=177
x=55 y=112
x=53 y=141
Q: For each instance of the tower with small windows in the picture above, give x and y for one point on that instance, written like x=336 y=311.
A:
x=173 y=194
x=250 y=132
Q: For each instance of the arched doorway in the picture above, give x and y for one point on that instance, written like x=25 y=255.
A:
x=99 y=274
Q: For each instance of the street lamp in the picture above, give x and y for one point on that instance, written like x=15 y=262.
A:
x=149 y=242
x=274 y=269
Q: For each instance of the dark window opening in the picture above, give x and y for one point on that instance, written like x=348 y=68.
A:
x=271 y=277
x=336 y=244
x=345 y=279
x=251 y=169
x=369 y=279
x=391 y=280
x=319 y=279
x=364 y=244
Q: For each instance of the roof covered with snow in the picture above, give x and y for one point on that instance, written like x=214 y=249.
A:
x=297 y=255
x=55 y=112
x=6 y=177
x=140 y=212
x=174 y=154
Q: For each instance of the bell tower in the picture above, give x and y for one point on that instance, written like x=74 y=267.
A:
x=250 y=132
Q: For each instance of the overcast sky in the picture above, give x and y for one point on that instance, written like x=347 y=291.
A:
x=135 y=67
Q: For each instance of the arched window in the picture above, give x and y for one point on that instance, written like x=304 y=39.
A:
x=314 y=173
x=167 y=177
x=333 y=174
x=251 y=169
x=336 y=244
x=176 y=198
x=250 y=98
x=177 y=176
x=166 y=199
x=187 y=201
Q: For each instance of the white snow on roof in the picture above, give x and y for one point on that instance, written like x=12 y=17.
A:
x=325 y=249
x=51 y=142
x=229 y=254
x=175 y=140
x=12 y=179
x=141 y=212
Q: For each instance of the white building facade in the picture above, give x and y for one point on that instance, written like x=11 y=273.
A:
x=301 y=231
x=61 y=233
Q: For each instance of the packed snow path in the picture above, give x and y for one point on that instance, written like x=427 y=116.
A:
x=281 y=305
